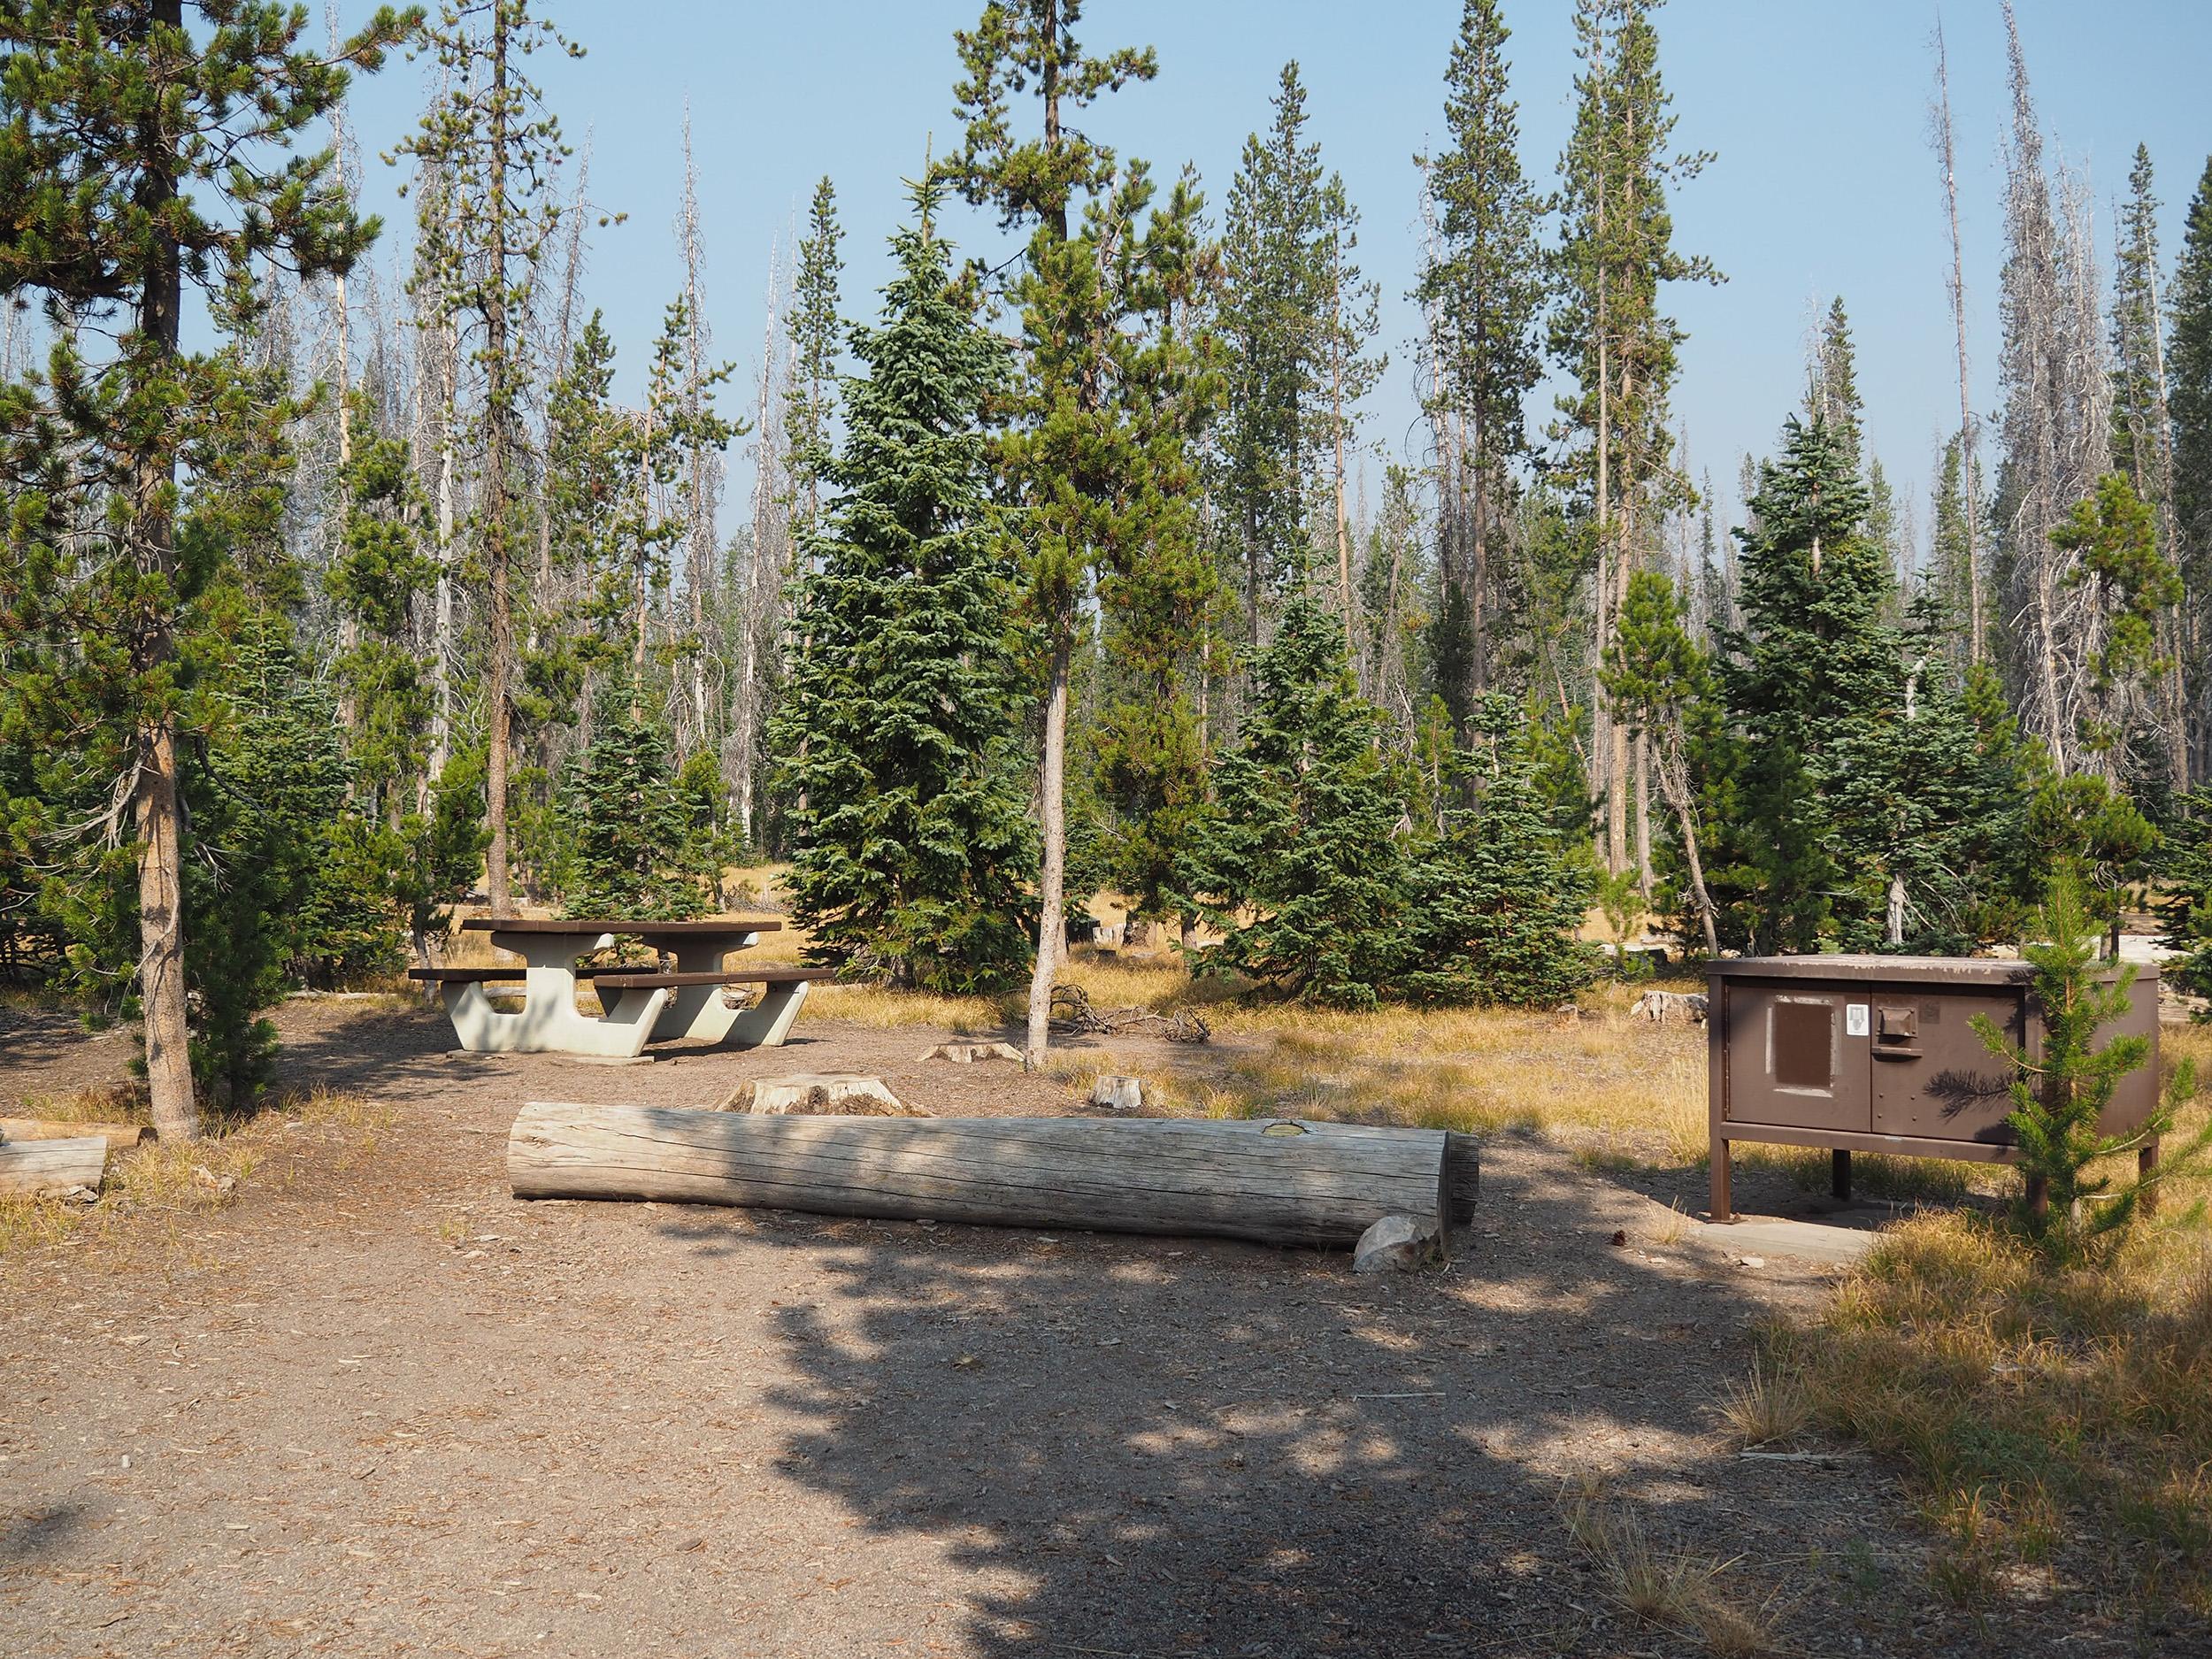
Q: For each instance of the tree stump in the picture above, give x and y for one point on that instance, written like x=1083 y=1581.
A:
x=817 y=1094
x=1118 y=1094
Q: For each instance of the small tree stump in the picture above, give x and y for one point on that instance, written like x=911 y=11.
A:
x=969 y=1053
x=1118 y=1094
x=818 y=1094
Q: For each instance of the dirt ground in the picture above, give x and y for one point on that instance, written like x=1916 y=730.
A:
x=380 y=1407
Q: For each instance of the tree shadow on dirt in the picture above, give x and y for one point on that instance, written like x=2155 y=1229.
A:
x=1163 y=1446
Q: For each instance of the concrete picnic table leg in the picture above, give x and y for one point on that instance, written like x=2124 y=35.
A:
x=698 y=1011
x=548 y=1021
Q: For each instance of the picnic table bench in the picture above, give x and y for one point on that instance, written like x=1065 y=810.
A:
x=684 y=1002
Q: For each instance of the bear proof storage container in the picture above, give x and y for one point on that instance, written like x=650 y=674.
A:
x=1879 y=1054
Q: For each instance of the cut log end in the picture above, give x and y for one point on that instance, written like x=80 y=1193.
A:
x=47 y=1169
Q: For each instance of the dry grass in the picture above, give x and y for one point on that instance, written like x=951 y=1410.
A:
x=1674 y=1590
x=1769 y=1405
x=1618 y=1090
x=2042 y=1417
x=116 y=1103
x=151 y=1188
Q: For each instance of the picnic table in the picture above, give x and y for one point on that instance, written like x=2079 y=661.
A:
x=639 y=1003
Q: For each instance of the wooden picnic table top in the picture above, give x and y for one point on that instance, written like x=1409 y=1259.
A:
x=641 y=929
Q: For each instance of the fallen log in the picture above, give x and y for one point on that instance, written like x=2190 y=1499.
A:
x=119 y=1137
x=1277 y=1183
x=30 y=1169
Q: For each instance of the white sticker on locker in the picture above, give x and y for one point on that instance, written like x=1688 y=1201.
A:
x=1854 y=1023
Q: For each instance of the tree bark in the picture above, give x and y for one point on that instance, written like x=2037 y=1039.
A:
x=498 y=398
x=1674 y=783
x=1319 y=1184
x=154 y=800
x=1052 y=877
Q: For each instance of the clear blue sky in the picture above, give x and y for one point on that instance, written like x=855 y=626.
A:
x=1824 y=184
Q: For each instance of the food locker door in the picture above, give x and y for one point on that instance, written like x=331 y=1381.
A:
x=1797 y=1056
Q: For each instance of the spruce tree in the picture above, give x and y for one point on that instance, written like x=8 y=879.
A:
x=1609 y=330
x=134 y=168
x=631 y=827
x=1813 y=653
x=814 y=332
x=1275 y=290
x=2113 y=536
x=1494 y=906
x=899 y=734
x=2189 y=364
x=1299 y=865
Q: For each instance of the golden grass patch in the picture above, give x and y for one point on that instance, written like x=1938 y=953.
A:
x=151 y=1188
x=2040 y=1414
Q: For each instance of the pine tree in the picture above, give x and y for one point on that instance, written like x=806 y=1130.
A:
x=2061 y=1092
x=1067 y=452
x=899 y=734
x=489 y=148
x=1299 y=865
x=380 y=570
x=133 y=168
x=1834 y=395
x=2113 y=536
x=2143 y=435
x=1159 y=593
x=1274 y=308
x=1483 y=288
x=1494 y=906
x=1607 y=330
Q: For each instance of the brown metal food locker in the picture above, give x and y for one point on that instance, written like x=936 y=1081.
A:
x=1879 y=1054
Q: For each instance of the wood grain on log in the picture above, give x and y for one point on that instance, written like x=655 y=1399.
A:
x=1312 y=1183
x=119 y=1136
x=30 y=1168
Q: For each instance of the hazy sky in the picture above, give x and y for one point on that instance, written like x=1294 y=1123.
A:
x=1823 y=182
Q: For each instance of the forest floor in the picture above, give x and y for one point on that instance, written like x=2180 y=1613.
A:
x=374 y=1406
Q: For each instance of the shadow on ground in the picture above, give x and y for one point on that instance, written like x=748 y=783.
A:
x=1175 y=1446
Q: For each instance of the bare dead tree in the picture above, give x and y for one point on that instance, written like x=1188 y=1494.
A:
x=1940 y=136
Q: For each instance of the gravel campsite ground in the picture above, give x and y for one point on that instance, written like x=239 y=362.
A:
x=375 y=1406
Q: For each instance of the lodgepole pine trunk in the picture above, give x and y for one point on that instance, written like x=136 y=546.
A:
x=1052 y=875
x=156 y=815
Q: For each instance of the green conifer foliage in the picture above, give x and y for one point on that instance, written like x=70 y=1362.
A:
x=1494 y=907
x=1300 y=865
x=1484 y=286
x=816 y=334
x=1160 y=595
x=1813 y=654
x=2189 y=362
x=139 y=156
x=633 y=832
x=2114 y=535
x=899 y=733
x=380 y=569
x=1657 y=677
x=2060 y=1095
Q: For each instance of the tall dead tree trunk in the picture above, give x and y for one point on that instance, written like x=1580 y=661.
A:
x=1978 y=645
